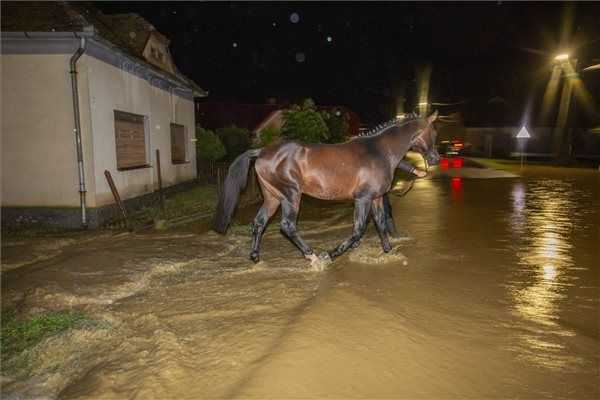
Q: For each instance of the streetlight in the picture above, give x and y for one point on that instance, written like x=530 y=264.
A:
x=567 y=65
x=561 y=57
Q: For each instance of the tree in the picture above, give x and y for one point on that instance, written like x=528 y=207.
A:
x=236 y=140
x=208 y=145
x=337 y=124
x=269 y=136
x=304 y=123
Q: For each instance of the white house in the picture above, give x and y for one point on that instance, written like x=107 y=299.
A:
x=84 y=92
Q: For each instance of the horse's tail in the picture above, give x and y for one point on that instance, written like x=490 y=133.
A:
x=235 y=182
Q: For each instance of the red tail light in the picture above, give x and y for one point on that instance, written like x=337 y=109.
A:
x=444 y=163
x=457 y=162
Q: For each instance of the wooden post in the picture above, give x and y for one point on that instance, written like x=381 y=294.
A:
x=218 y=181
x=160 y=189
x=115 y=193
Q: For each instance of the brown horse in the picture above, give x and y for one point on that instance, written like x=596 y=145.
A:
x=361 y=169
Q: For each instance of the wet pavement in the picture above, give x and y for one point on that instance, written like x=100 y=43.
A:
x=500 y=298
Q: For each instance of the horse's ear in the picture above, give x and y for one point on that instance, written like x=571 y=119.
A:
x=432 y=117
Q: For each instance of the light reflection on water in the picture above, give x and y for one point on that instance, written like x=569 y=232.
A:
x=544 y=214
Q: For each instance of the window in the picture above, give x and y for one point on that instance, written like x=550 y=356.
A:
x=130 y=134
x=156 y=54
x=178 y=144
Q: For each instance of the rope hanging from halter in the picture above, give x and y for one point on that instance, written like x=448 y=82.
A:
x=412 y=182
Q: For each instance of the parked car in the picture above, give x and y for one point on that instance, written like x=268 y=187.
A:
x=451 y=148
x=450 y=152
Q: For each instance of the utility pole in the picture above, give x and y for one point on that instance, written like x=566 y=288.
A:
x=560 y=138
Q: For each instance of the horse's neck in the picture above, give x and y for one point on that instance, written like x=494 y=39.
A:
x=396 y=142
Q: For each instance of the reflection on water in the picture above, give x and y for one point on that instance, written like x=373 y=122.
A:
x=544 y=213
x=499 y=300
x=456 y=185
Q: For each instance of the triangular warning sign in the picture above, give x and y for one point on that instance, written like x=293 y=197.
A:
x=523 y=134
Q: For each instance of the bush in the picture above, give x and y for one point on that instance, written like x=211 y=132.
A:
x=208 y=145
x=236 y=140
x=269 y=136
x=337 y=125
x=305 y=124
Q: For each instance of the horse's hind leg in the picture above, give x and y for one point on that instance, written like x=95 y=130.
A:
x=390 y=226
x=378 y=213
x=361 y=214
x=289 y=215
x=268 y=208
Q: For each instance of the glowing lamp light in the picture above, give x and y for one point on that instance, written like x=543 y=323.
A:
x=423 y=103
x=561 y=57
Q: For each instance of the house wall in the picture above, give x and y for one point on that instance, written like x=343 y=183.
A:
x=111 y=89
x=273 y=121
x=39 y=162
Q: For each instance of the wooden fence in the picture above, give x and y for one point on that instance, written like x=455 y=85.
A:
x=216 y=172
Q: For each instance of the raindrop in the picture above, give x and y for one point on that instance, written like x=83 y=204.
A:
x=329 y=39
x=300 y=57
x=274 y=23
x=295 y=18
x=234 y=44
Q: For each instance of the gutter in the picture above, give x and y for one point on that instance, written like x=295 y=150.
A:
x=77 y=119
x=94 y=41
x=178 y=82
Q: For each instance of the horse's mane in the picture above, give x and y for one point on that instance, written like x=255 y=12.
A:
x=379 y=129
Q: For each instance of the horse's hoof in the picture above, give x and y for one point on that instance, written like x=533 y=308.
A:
x=387 y=249
x=356 y=244
x=325 y=256
x=254 y=257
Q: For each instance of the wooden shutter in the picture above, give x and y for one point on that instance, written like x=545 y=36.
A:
x=178 y=144
x=131 y=140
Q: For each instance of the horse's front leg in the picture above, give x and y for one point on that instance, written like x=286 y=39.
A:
x=361 y=214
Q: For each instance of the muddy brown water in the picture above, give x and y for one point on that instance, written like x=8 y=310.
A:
x=500 y=298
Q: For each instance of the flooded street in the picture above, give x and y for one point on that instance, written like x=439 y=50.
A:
x=500 y=299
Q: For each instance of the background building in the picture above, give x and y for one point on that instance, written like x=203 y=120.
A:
x=84 y=93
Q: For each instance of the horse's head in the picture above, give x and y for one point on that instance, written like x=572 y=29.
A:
x=424 y=140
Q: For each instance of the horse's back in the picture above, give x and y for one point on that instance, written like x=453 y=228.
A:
x=325 y=171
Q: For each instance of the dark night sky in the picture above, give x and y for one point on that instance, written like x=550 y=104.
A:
x=476 y=50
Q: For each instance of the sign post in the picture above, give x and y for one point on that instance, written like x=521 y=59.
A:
x=523 y=134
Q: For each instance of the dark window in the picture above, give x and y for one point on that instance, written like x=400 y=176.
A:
x=178 y=144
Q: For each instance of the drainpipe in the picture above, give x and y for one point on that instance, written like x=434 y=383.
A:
x=77 y=130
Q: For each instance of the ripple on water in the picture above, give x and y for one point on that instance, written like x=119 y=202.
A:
x=544 y=215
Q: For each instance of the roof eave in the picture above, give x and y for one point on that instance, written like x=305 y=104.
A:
x=197 y=91
x=91 y=34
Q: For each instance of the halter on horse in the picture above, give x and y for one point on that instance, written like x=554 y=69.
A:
x=361 y=169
